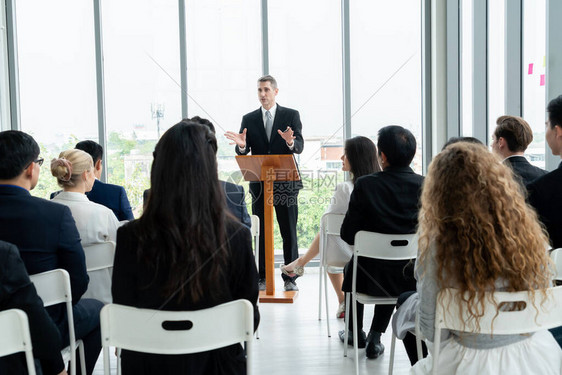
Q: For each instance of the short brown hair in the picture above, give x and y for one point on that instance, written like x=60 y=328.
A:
x=269 y=79
x=515 y=131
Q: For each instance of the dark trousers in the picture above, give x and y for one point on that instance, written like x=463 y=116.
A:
x=380 y=321
x=285 y=201
x=86 y=328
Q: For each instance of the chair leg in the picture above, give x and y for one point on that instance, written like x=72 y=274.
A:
x=355 y=332
x=106 y=367
x=320 y=292
x=118 y=361
x=392 y=348
x=82 y=358
x=326 y=299
x=346 y=331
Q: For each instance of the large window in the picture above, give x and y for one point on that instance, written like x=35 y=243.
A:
x=305 y=58
x=467 y=67
x=534 y=79
x=142 y=87
x=496 y=63
x=386 y=68
x=57 y=77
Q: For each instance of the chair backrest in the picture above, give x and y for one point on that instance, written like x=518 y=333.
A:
x=535 y=315
x=177 y=332
x=556 y=256
x=15 y=336
x=99 y=256
x=330 y=224
x=386 y=246
x=255 y=228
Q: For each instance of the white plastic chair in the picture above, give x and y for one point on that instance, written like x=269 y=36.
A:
x=556 y=256
x=15 y=336
x=99 y=256
x=330 y=224
x=54 y=287
x=255 y=230
x=495 y=321
x=142 y=330
x=378 y=246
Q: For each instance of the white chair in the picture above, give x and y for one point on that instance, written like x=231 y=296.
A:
x=330 y=224
x=15 y=336
x=556 y=256
x=378 y=246
x=142 y=330
x=99 y=256
x=255 y=230
x=535 y=316
x=54 y=287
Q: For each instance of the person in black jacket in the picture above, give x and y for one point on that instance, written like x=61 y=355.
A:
x=46 y=236
x=18 y=292
x=272 y=129
x=185 y=252
x=384 y=202
x=510 y=140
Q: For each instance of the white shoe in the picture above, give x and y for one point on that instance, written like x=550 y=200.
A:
x=340 y=314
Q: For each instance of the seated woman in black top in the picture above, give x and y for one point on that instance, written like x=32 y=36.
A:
x=186 y=252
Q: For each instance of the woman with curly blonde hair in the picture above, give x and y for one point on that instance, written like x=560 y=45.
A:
x=478 y=235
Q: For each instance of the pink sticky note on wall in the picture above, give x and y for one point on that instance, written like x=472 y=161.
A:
x=542 y=80
x=530 y=69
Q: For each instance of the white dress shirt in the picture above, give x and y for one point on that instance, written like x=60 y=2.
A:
x=95 y=224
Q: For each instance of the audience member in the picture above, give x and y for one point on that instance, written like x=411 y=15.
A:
x=510 y=140
x=74 y=171
x=383 y=202
x=235 y=196
x=454 y=140
x=359 y=158
x=185 y=252
x=471 y=209
x=111 y=196
x=544 y=192
x=46 y=236
x=18 y=292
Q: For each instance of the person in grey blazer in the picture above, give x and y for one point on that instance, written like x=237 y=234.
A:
x=510 y=140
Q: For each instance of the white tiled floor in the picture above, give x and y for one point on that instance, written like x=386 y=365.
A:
x=293 y=340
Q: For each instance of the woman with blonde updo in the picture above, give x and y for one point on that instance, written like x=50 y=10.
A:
x=74 y=170
x=478 y=235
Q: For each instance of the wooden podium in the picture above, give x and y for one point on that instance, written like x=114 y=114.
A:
x=269 y=168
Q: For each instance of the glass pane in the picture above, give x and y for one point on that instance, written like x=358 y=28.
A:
x=143 y=92
x=496 y=63
x=386 y=68
x=305 y=58
x=534 y=89
x=467 y=54
x=57 y=77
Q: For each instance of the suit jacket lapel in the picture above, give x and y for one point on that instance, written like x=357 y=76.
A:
x=259 y=121
x=277 y=123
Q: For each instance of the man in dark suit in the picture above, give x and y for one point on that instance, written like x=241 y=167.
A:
x=18 y=292
x=273 y=129
x=383 y=202
x=510 y=140
x=46 y=236
x=544 y=192
x=235 y=196
x=111 y=196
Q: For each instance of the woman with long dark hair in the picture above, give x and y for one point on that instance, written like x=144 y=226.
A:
x=185 y=252
x=359 y=158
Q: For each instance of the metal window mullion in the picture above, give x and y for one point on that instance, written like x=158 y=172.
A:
x=100 y=84
x=480 y=71
x=427 y=154
x=183 y=56
x=264 y=37
x=513 y=64
x=13 y=71
x=438 y=74
x=453 y=69
x=346 y=69
x=553 y=65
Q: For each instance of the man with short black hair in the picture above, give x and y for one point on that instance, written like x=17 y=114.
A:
x=545 y=192
x=46 y=236
x=510 y=140
x=111 y=196
x=383 y=202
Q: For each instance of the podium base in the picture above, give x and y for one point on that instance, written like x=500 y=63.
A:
x=278 y=297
